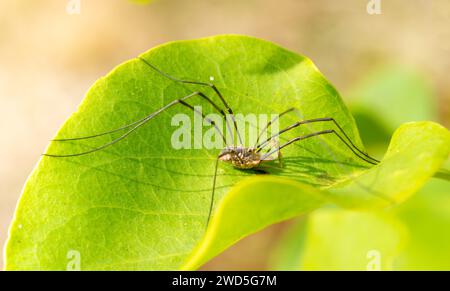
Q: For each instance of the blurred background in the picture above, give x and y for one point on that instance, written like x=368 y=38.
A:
x=50 y=57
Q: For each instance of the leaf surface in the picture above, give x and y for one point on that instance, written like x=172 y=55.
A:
x=141 y=204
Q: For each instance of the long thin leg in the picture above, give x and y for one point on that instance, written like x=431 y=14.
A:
x=280 y=160
x=317 y=134
x=144 y=121
x=212 y=86
x=353 y=146
x=271 y=122
x=211 y=205
x=138 y=121
x=388 y=199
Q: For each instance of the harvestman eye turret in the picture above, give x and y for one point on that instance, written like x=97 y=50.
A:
x=240 y=157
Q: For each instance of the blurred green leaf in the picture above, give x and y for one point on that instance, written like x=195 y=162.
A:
x=395 y=94
x=427 y=218
x=289 y=249
x=387 y=97
x=412 y=236
x=420 y=240
x=444 y=171
x=141 y=204
x=350 y=240
x=416 y=151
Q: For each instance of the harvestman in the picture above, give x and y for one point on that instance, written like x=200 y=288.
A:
x=239 y=156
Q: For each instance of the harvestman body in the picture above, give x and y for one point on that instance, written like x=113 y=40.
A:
x=240 y=157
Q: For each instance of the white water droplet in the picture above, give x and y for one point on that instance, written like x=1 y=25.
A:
x=20 y=225
x=211 y=78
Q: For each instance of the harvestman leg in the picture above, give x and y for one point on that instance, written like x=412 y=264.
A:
x=272 y=121
x=347 y=141
x=267 y=126
x=211 y=205
x=137 y=124
x=144 y=120
x=138 y=121
x=318 y=133
x=322 y=132
x=210 y=85
x=229 y=110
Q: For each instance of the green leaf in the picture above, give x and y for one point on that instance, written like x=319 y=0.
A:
x=444 y=172
x=350 y=240
x=416 y=151
x=412 y=236
x=427 y=218
x=288 y=250
x=376 y=99
x=250 y=206
x=382 y=92
x=421 y=221
x=141 y=204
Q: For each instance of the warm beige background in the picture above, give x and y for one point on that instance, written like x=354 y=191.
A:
x=48 y=59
